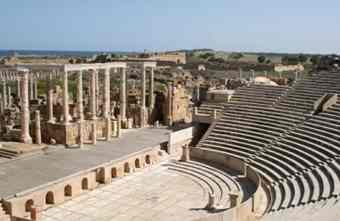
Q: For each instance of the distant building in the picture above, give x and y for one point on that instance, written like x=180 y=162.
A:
x=284 y=68
x=175 y=57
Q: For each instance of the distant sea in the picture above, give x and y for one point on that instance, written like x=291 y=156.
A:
x=54 y=53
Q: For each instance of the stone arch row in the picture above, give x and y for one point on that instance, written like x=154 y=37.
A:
x=35 y=202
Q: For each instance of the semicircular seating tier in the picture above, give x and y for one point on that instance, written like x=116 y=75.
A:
x=291 y=137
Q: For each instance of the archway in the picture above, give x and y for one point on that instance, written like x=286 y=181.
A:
x=85 y=184
x=100 y=175
x=147 y=159
x=137 y=163
x=126 y=168
x=114 y=172
x=29 y=205
x=68 y=191
x=49 y=198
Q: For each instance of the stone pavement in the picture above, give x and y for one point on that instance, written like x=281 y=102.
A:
x=154 y=194
x=26 y=173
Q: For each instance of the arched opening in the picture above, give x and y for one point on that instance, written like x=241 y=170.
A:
x=147 y=159
x=49 y=198
x=29 y=205
x=85 y=184
x=100 y=175
x=126 y=168
x=137 y=163
x=68 y=191
x=114 y=172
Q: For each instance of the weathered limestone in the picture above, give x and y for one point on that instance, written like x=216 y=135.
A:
x=25 y=114
x=37 y=127
x=107 y=93
x=93 y=105
x=50 y=98
x=81 y=133
x=123 y=95
x=65 y=98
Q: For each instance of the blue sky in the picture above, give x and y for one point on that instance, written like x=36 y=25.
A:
x=238 y=25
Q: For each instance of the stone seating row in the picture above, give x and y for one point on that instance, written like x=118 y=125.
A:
x=219 y=183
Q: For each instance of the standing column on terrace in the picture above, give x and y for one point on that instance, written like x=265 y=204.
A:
x=18 y=88
x=97 y=91
x=143 y=87
x=50 y=98
x=4 y=94
x=170 y=89
x=35 y=89
x=107 y=93
x=197 y=93
x=25 y=112
x=93 y=94
x=80 y=108
x=9 y=96
x=31 y=88
x=143 y=108
x=65 y=98
x=123 y=94
x=151 y=90
x=80 y=96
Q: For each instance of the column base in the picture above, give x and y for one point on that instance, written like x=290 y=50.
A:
x=26 y=140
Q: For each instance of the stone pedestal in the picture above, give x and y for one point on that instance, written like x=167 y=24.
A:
x=119 y=127
x=81 y=133
x=108 y=129
x=94 y=132
x=211 y=202
x=186 y=153
x=129 y=123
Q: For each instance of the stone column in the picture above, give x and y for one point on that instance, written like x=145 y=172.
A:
x=123 y=95
x=170 y=104
x=197 y=93
x=35 y=89
x=37 y=127
x=50 y=98
x=151 y=90
x=80 y=96
x=143 y=87
x=107 y=93
x=97 y=91
x=108 y=129
x=4 y=94
x=80 y=109
x=31 y=88
x=65 y=98
x=9 y=96
x=93 y=95
x=25 y=112
x=18 y=88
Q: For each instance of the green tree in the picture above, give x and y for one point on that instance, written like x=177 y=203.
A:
x=302 y=58
x=236 y=55
x=315 y=59
x=261 y=59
